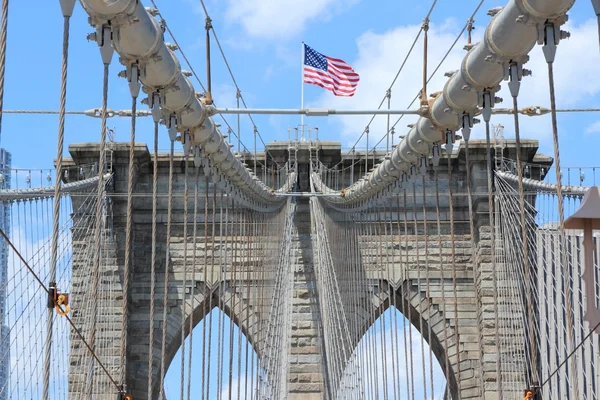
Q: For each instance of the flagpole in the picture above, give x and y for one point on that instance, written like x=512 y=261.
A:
x=302 y=90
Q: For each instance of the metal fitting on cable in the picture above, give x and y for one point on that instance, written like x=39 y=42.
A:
x=552 y=35
x=514 y=75
x=172 y=127
x=435 y=154
x=197 y=157
x=413 y=173
x=133 y=77
x=488 y=103
x=124 y=396
x=67 y=7
x=58 y=300
x=531 y=392
x=449 y=143
x=154 y=101
x=187 y=143
x=103 y=37
x=467 y=124
x=423 y=165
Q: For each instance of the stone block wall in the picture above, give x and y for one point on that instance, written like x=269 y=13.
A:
x=389 y=261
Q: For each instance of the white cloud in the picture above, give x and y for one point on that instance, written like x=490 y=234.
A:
x=380 y=55
x=224 y=95
x=281 y=19
x=593 y=129
x=572 y=83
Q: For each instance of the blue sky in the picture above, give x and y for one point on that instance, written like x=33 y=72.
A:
x=262 y=41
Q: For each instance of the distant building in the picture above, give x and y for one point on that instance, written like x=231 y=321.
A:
x=5 y=166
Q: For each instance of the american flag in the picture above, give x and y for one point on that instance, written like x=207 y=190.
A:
x=330 y=73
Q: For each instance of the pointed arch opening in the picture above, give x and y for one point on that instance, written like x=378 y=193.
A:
x=393 y=360
x=219 y=361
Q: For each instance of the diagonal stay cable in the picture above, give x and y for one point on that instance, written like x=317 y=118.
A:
x=388 y=91
x=592 y=330
x=446 y=55
x=77 y=331
x=430 y=76
x=239 y=91
x=193 y=71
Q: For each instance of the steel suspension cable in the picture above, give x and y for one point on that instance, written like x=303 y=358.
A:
x=69 y=320
x=561 y=221
x=407 y=304
x=237 y=133
x=99 y=222
x=416 y=228
x=3 y=42
x=454 y=278
x=442 y=282
x=153 y=261
x=185 y=273
x=474 y=258
x=389 y=89
x=492 y=223
x=427 y=284
x=128 y=244
x=238 y=91
x=232 y=285
x=428 y=80
x=221 y=301
x=524 y=242
x=59 y=165
x=207 y=288
x=194 y=259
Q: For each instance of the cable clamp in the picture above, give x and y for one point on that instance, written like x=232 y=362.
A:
x=58 y=301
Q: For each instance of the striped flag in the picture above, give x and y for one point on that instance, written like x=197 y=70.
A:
x=330 y=73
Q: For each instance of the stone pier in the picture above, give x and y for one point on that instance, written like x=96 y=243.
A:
x=390 y=263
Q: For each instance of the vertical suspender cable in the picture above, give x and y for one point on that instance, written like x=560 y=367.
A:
x=525 y=244
x=238 y=94
x=255 y=158
x=153 y=261
x=473 y=259
x=236 y=236
x=388 y=94
x=128 y=237
x=402 y=299
x=406 y=306
x=67 y=11
x=382 y=315
x=493 y=251
x=3 y=35
x=166 y=275
x=392 y=294
x=425 y=28
x=99 y=223
x=208 y=26
x=185 y=272
x=561 y=217
x=220 y=304
x=421 y=330
x=427 y=290
x=442 y=282
x=207 y=289
x=454 y=283
x=367 y=152
x=212 y=277
x=193 y=303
